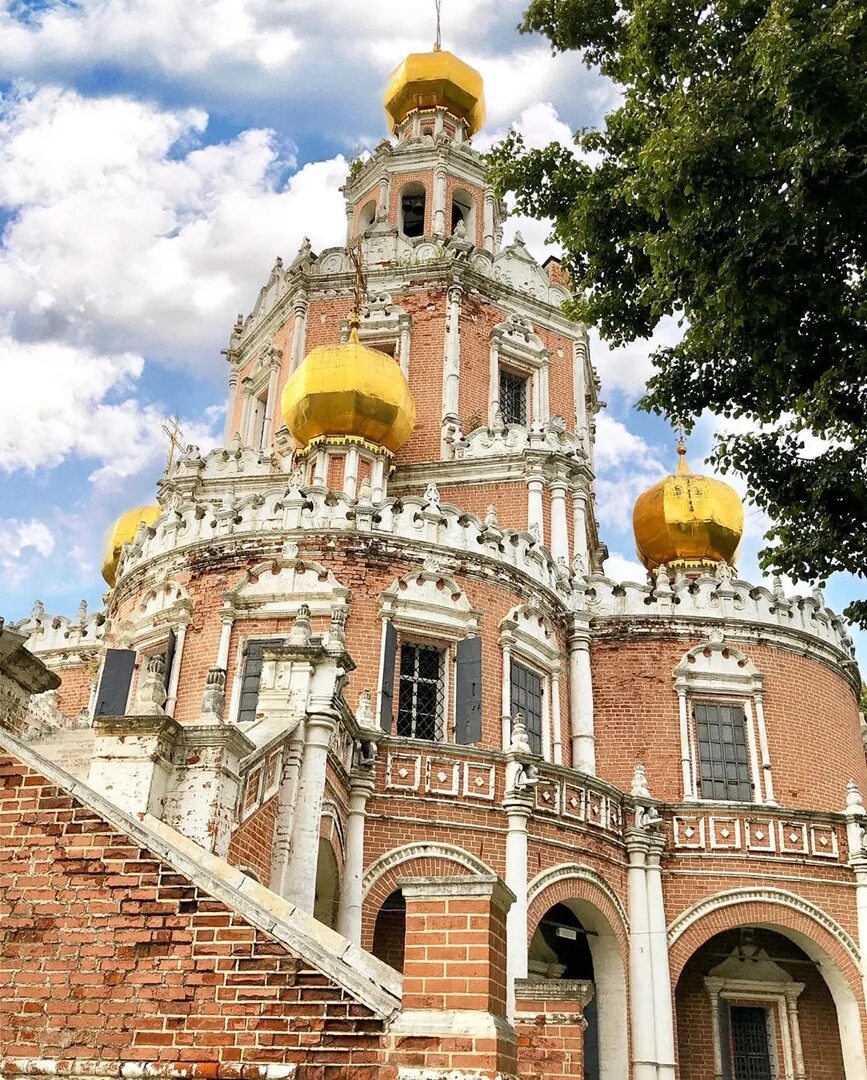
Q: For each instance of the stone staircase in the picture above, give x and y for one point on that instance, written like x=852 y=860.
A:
x=69 y=749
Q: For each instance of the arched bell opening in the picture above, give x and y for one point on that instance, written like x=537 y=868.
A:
x=389 y=931
x=413 y=207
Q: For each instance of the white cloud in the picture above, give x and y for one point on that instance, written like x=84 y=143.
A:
x=621 y=568
x=126 y=235
x=23 y=546
x=57 y=402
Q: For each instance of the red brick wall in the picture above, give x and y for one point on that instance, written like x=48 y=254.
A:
x=810 y=711
x=108 y=954
x=550 y=1040
x=73 y=694
x=253 y=839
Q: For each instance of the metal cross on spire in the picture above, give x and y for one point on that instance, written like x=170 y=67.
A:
x=172 y=428
x=356 y=257
x=438 y=44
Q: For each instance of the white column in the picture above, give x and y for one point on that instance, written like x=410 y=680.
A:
x=382 y=202
x=556 y=719
x=581 y=702
x=518 y=810
x=770 y=797
x=349 y=908
x=544 y=413
x=175 y=674
x=507 y=696
x=452 y=366
x=662 y=1005
x=320 y=469
x=535 y=504
x=270 y=406
x=377 y=482
x=299 y=333
x=350 y=472
x=246 y=412
x=304 y=856
x=717 y=1034
x=493 y=381
x=795 y=1030
x=755 y=769
x=640 y=964
x=226 y=624
x=579 y=528
x=404 y=350
x=228 y=430
x=439 y=200
x=579 y=384
x=685 y=758
x=489 y=220
x=286 y=795
x=349 y=209
x=559 y=524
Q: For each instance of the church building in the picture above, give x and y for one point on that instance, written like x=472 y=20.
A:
x=367 y=770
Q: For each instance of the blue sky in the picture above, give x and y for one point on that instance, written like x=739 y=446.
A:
x=155 y=157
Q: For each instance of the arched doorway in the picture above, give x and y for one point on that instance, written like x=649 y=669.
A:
x=327 y=885
x=751 y=1004
x=560 y=949
x=389 y=931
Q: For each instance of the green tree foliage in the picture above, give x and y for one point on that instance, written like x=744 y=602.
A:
x=729 y=189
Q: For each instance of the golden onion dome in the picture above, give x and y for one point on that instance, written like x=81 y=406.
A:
x=123 y=532
x=688 y=521
x=431 y=79
x=349 y=390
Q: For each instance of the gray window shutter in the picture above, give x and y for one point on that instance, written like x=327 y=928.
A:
x=468 y=695
x=386 y=709
x=250 y=679
x=169 y=656
x=114 y=685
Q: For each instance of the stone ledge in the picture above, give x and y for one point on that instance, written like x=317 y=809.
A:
x=21 y=1068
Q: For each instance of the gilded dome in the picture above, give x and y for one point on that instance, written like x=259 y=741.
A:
x=688 y=520
x=438 y=78
x=349 y=390
x=123 y=532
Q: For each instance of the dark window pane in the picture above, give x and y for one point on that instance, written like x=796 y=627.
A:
x=513 y=397
x=723 y=761
x=250 y=679
x=526 y=688
x=751 y=1051
x=421 y=693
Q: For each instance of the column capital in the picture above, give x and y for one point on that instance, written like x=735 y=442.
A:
x=638 y=845
x=361 y=782
x=459 y=887
x=518 y=804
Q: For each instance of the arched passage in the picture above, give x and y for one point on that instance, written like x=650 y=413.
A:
x=816 y=934
x=575 y=897
x=389 y=931
x=327 y=884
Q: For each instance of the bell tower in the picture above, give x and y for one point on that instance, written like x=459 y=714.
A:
x=428 y=183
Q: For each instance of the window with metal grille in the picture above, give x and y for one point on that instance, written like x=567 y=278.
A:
x=513 y=397
x=422 y=691
x=527 y=700
x=252 y=676
x=722 y=752
x=751 y=1048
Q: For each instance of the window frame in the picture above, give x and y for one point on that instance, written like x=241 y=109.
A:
x=544 y=704
x=446 y=724
x=747 y=764
x=509 y=372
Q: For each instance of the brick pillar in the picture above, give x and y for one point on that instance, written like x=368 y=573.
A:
x=454 y=980
x=549 y=1023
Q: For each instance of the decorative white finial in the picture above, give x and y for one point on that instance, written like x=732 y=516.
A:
x=520 y=743
x=639 y=789
x=853 y=796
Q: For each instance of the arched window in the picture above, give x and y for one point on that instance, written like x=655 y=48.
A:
x=389 y=931
x=464 y=210
x=367 y=216
x=413 y=201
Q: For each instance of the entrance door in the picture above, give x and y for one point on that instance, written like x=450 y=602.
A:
x=751 y=1051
